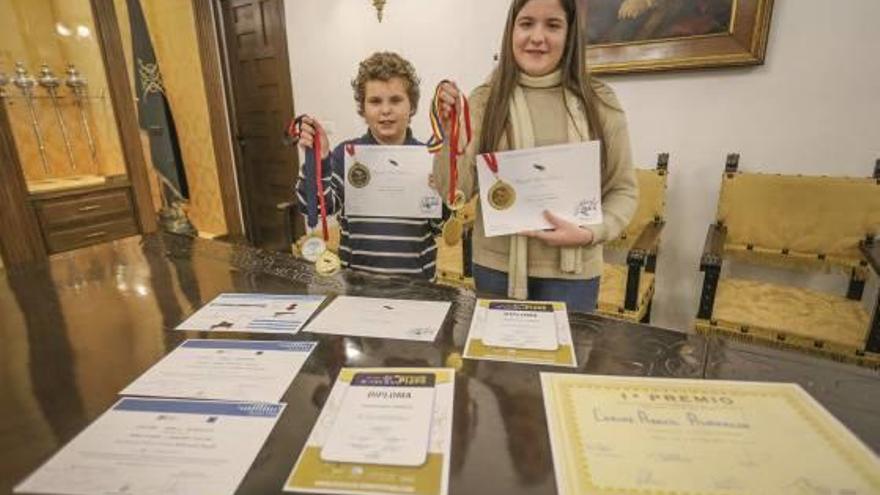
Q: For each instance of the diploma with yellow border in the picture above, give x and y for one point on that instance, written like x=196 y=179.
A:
x=315 y=472
x=536 y=332
x=617 y=435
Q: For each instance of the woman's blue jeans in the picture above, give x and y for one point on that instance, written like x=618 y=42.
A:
x=578 y=295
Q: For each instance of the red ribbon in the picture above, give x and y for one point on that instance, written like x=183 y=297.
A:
x=319 y=178
x=294 y=130
x=454 y=152
x=491 y=162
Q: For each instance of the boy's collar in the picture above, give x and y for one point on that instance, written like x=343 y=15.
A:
x=368 y=138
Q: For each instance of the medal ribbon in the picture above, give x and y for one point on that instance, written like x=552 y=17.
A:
x=439 y=136
x=491 y=162
x=294 y=130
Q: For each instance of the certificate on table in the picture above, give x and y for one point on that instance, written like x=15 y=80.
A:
x=242 y=370
x=564 y=179
x=647 y=435
x=536 y=332
x=382 y=318
x=390 y=181
x=161 y=447
x=372 y=437
x=385 y=419
x=259 y=313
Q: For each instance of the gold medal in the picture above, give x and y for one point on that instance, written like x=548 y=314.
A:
x=452 y=231
x=501 y=195
x=359 y=175
x=328 y=264
x=458 y=200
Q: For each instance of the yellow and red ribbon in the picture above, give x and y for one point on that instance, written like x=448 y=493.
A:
x=435 y=144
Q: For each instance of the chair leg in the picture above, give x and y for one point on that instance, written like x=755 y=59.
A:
x=466 y=251
x=873 y=342
x=633 y=273
x=287 y=210
x=707 y=296
x=856 y=286
x=651 y=263
x=647 y=318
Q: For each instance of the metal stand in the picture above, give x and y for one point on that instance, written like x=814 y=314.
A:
x=26 y=84
x=78 y=85
x=51 y=83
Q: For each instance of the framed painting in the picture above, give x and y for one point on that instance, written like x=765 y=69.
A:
x=655 y=35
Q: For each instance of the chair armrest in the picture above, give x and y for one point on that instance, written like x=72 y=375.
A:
x=871 y=251
x=713 y=249
x=647 y=243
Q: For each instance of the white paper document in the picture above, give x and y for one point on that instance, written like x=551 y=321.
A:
x=242 y=370
x=382 y=431
x=382 y=318
x=161 y=447
x=563 y=179
x=385 y=419
x=259 y=313
x=521 y=325
x=390 y=181
x=536 y=332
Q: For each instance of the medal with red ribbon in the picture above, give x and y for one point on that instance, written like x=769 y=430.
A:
x=314 y=248
x=455 y=198
x=501 y=195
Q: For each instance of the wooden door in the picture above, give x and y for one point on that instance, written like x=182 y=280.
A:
x=262 y=102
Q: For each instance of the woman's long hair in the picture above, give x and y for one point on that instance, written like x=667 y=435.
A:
x=574 y=77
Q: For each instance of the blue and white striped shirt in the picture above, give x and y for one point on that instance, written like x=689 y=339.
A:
x=374 y=244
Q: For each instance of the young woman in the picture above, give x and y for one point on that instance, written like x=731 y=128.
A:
x=541 y=94
x=386 y=90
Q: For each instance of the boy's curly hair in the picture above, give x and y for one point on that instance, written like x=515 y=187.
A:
x=382 y=66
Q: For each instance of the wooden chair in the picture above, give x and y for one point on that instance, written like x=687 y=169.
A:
x=800 y=223
x=626 y=291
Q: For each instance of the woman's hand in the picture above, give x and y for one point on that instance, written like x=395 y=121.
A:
x=450 y=98
x=563 y=233
x=307 y=131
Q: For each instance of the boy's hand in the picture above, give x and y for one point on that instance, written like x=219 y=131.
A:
x=308 y=129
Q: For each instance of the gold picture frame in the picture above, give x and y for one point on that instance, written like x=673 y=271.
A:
x=627 y=36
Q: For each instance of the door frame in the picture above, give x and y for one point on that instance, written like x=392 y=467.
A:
x=218 y=83
x=212 y=54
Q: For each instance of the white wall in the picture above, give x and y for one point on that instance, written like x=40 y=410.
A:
x=813 y=107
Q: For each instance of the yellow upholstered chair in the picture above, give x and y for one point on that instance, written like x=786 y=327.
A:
x=794 y=222
x=626 y=291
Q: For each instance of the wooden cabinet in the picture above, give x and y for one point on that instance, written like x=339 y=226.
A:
x=79 y=218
